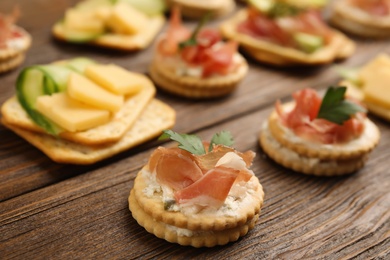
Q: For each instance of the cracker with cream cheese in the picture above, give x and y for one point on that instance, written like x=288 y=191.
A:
x=340 y=47
x=113 y=131
x=167 y=79
x=156 y=117
x=205 y=228
x=355 y=148
x=358 y=22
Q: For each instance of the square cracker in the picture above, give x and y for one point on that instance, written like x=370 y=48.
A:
x=15 y=116
x=156 y=117
x=120 y=41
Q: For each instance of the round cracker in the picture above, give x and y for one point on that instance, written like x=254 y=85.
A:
x=340 y=47
x=353 y=20
x=308 y=165
x=195 y=9
x=24 y=43
x=353 y=149
x=205 y=221
x=194 y=87
x=187 y=237
x=11 y=63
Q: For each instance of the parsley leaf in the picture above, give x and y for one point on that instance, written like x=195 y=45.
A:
x=190 y=143
x=193 y=143
x=192 y=40
x=335 y=108
x=223 y=137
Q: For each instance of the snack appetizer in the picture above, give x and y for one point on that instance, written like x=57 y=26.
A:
x=198 y=64
x=79 y=112
x=369 y=84
x=326 y=136
x=199 y=8
x=200 y=194
x=117 y=24
x=284 y=34
x=364 y=18
x=14 y=41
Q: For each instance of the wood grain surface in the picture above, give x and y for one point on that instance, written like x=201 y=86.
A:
x=55 y=211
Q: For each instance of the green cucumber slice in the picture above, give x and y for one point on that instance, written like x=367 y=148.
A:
x=307 y=42
x=75 y=36
x=37 y=81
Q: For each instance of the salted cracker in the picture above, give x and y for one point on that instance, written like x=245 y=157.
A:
x=198 y=8
x=156 y=117
x=248 y=208
x=11 y=63
x=195 y=87
x=353 y=20
x=187 y=237
x=308 y=165
x=120 y=41
x=355 y=148
x=17 y=46
x=112 y=131
x=340 y=47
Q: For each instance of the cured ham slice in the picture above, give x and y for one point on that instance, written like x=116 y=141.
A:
x=6 y=27
x=174 y=167
x=303 y=121
x=211 y=190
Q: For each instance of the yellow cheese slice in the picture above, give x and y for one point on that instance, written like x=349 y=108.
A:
x=86 y=91
x=125 y=19
x=115 y=79
x=377 y=88
x=367 y=72
x=71 y=114
x=83 y=21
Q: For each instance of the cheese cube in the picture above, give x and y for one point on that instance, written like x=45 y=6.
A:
x=70 y=114
x=83 y=21
x=84 y=90
x=125 y=19
x=115 y=79
x=377 y=88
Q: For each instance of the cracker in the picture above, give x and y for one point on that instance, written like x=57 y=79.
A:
x=120 y=41
x=194 y=87
x=308 y=165
x=340 y=47
x=22 y=45
x=16 y=116
x=196 y=9
x=204 y=221
x=11 y=63
x=353 y=20
x=187 y=237
x=156 y=117
x=353 y=149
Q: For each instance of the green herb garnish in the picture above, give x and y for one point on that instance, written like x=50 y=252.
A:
x=335 y=108
x=192 y=40
x=223 y=137
x=193 y=144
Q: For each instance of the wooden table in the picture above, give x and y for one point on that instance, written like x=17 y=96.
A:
x=54 y=211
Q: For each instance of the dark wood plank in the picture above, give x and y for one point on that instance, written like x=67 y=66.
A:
x=303 y=216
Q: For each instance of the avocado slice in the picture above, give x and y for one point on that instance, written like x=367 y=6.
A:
x=308 y=43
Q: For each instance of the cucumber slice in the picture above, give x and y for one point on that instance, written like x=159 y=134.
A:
x=148 y=7
x=37 y=81
x=76 y=36
x=88 y=5
x=79 y=64
x=307 y=42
